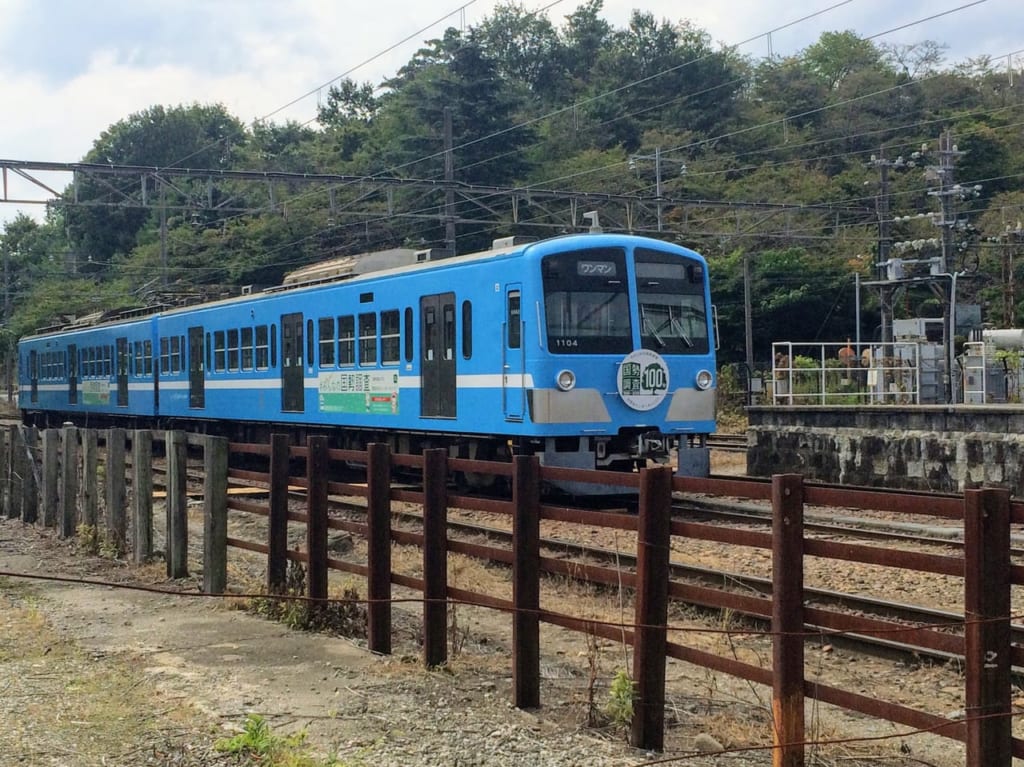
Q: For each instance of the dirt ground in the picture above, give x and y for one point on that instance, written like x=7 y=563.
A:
x=104 y=676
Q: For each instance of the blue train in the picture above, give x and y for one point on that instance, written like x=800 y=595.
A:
x=590 y=350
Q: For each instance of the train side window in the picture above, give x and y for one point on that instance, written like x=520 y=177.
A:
x=219 y=365
x=246 y=348
x=346 y=341
x=408 y=334
x=467 y=329
x=273 y=346
x=310 y=342
x=108 y=360
x=448 y=330
x=262 y=354
x=429 y=333
x=390 y=337
x=233 y=350
x=514 y=320
x=326 y=328
x=147 y=352
x=165 y=355
x=176 y=354
x=367 y=339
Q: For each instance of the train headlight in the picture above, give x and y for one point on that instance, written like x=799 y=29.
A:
x=704 y=380
x=566 y=380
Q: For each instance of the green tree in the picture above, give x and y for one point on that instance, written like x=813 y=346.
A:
x=837 y=55
x=195 y=136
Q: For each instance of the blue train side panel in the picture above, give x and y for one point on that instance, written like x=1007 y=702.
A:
x=99 y=370
x=590 y=350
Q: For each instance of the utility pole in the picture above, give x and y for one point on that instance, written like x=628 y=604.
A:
x=948 y=153
x=449 y=178
x=1011 y=238
x=657 y=183
x=748 y=311
x=163 y=234
x=883 y=211
x=658 y=188
x=9 y=351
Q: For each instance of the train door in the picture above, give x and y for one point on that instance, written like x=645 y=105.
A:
x=437 y=342
x=72 y=374
x=121 y=368
x=196 y=372
x=513 y=393
x=293 y=392
x=33 y=373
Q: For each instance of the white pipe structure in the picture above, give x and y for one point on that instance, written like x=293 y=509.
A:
x=951 y=351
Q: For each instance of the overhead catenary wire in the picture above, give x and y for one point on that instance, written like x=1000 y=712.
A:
x=368 y=221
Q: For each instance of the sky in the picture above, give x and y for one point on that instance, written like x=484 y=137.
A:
x=69 y=69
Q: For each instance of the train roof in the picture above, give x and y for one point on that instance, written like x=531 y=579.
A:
x=353 y=269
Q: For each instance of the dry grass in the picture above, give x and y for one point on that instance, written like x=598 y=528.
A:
x=61 y=705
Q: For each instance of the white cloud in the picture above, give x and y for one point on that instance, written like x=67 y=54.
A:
x=70 y=72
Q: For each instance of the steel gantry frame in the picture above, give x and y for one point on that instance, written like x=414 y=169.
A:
x=551 y=208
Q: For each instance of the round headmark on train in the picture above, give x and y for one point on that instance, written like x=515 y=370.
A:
x=643 y=379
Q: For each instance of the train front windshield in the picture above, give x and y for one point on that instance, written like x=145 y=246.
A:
x=586 y=300
x=670 y=293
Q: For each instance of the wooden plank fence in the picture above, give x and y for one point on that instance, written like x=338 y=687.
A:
x=45 y=472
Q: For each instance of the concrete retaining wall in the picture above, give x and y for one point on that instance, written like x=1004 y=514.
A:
x=937 y=448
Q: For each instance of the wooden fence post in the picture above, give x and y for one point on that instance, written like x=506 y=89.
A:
x=176 y=443
x=50 y=490
x=317 y=467
x=526 y=581
x=788 y=620
x=277 y=522
x=116 y=519
x=215 y=515
x=378 y=544
x=10 y=508
x=142 y=496
x=16 y=492
x=29 y=470
x=90 y=480
x=651 y=633
x=69 y=482
x=987 y=628
x=435 y=558
x=5 y=473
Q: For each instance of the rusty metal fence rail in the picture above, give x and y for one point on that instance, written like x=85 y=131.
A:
x=982 y=640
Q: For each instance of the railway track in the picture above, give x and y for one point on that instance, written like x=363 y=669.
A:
x=747 y=585
x=729 y=443
x=729 y=513
x=949 y=536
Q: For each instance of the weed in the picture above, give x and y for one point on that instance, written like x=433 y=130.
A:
x=257 y=743
x=458 y=635
x=110 y=547
x=593 y=666
x=345 y=616
x=88 y=537
x=620 y=699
